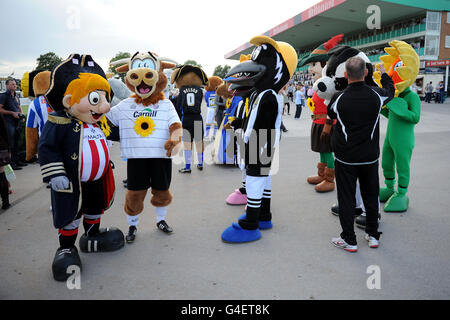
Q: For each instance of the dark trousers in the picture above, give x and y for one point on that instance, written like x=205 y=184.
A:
x=346 y=176
x=441 y=97
x=13 y=138
x=288 y=105
x=298 y=111
x=219 y=116
x=428 y=97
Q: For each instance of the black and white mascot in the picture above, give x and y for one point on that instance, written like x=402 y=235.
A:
x=271 y=66
x=333 y=81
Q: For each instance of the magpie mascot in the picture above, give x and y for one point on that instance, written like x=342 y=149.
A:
x=271 y=66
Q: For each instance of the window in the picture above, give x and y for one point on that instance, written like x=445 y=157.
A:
x=431 y=45
x=433 y=21
x=447 y=41
x=448 y=16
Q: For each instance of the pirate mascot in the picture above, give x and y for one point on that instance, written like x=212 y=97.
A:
x=272 y=65
x=74 y=158
x=321 y=128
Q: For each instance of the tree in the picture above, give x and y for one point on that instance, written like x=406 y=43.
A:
x=220 y=71
x=193 y=62
x=118 y=56
x=47 y=61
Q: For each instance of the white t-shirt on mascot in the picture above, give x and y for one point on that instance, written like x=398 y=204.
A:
x=139 y=145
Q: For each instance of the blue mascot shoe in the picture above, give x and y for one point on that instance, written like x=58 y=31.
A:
x=263 y=225
x=235 y=234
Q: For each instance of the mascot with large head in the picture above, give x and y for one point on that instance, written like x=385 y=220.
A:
x=239 y=196
x=190 y=80
x=210 y=99
x=37 y=83
x=149 y=130
x=74 y=158
x=321 y=128
x=403 y=113
x=272 y=65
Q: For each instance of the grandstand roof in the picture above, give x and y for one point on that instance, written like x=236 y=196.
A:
x=330 y=17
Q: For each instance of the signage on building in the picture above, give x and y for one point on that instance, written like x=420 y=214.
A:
x=438 y=63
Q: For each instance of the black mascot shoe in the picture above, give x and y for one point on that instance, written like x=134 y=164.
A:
x=184 y=170
x=131 y=234
x=64 y=258
x=361 y=221
x=335 y=210
x=106 y=240
x=164 y=227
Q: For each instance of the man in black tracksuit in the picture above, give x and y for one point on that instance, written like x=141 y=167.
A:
x=356 y=147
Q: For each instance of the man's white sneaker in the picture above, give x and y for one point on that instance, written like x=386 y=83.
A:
x=373 y=243
x=340 y=243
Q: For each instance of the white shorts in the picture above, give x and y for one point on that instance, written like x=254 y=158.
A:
x=210 y=115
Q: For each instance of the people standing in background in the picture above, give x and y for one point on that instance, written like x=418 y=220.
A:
x=4 y=145
x=440 y=92
x=291 y=92
x=299 y=100
x=428 y=92
x=286 y=105
x=281 y=98
x=12 y=113
x=310 y=92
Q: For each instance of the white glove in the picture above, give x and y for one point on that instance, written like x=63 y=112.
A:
x=59 y=183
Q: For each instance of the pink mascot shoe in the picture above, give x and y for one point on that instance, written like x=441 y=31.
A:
x=237 y=198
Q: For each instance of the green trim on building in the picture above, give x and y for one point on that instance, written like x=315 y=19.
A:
x=437 y=5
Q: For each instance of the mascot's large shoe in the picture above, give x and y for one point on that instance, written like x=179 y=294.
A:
x=399 y=201
x=361 y=220
x=320 y=174
x=236 y=234
x=263 y=225
x=326 y=185
x=388 y=191
x=106 y=240
x=237 y=198
x=64 y=258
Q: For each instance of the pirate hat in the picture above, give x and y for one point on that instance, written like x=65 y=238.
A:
x=321 y=52
x=181 y=70
x=67 y=71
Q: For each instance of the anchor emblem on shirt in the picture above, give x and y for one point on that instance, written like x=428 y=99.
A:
x=74 y=156
x=77 y=128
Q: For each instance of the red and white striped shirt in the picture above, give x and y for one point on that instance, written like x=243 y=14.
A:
x=95 y=156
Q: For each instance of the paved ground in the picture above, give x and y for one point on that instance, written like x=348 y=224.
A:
x=294 y=260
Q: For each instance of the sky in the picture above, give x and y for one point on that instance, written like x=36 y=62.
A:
x=201 y=30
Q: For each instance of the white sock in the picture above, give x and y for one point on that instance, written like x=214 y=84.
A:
x=160 y=213
x=133 y=220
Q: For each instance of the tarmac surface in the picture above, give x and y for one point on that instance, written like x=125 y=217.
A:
x=294 y=260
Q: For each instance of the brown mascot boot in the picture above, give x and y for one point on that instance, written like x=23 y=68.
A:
x=327 y=184
x=321 y=166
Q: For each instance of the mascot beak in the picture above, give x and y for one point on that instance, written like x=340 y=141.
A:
x=245 y=75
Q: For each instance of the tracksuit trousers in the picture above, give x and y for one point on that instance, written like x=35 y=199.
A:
x=346 y=177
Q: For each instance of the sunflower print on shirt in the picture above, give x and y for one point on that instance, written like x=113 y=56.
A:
x=144 y=126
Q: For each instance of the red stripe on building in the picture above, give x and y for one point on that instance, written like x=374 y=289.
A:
x=281 y=27
x=319 y=8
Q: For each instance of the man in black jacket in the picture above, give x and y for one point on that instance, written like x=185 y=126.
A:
x=356 y=147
